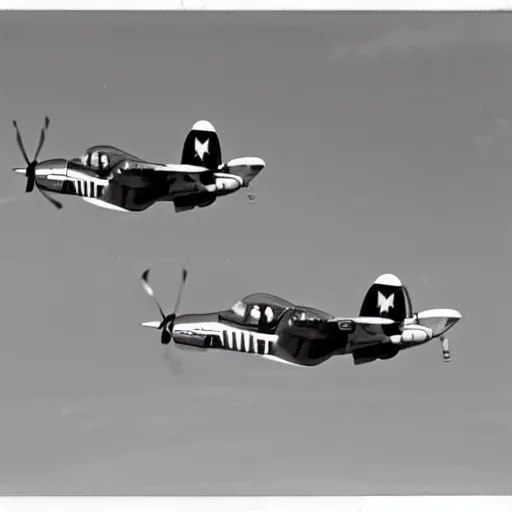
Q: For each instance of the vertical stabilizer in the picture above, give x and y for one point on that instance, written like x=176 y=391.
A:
x=202 y=146
x=387 y=297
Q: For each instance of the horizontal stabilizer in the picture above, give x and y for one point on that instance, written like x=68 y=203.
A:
x=438 y=320
x=366 y=320
x=247 y=167
x=373 y=320
x=152 y=325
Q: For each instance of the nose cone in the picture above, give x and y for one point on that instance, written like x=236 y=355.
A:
x=53 y=166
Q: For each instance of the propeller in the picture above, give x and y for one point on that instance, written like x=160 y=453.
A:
x=30 y=172
x=167 y=320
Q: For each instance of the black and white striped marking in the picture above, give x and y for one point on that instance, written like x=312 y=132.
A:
x=86 y=188
x=230 y=338
x=245 y=341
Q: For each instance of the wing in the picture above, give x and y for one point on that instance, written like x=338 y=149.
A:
x=125 y=169
x=178 y=179
x=363 y=331
x=105 y=158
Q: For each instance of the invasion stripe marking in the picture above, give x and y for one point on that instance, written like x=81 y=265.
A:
x=85 y=188
x=243 y=341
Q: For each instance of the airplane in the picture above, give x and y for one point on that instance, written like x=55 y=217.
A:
x=110 y=178
x=278 y=330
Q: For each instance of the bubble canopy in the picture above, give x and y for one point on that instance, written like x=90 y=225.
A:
x=250 y=309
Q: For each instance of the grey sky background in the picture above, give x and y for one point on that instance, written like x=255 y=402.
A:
x=387 y=139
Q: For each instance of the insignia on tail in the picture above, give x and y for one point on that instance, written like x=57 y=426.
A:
x=387 y=297
x=202 y=146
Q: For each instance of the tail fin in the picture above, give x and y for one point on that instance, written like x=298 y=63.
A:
x=202 y=146
x=387 y=297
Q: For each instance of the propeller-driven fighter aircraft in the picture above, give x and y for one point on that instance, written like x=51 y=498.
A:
x=111 y=178
x=278 y=330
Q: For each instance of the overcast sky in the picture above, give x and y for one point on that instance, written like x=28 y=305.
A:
x=387 y=139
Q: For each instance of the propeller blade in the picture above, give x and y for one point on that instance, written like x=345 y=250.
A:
x=149 y=291
x=446 y=349
x=31 y=180
x=166 y=327
x=42 y=136
x=53 y=201
x=20 y=143
x=184 y=274
x=173 y=361
x=167 y=323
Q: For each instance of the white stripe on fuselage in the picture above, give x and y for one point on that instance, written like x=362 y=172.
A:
x=231 y=337
x=88 y=188
x=104 y=204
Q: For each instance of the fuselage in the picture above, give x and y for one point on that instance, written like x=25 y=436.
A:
x=301 y=336
x=133 y=189
x=280 y=340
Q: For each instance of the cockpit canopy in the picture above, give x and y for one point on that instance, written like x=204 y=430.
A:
x=249 y=310
x=96 y=160
x=105 y=157
x=307 y=314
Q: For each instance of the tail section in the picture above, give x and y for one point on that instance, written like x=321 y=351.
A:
x=202 y=147
x=387 y=297
x=438 y=320
x=247 y=168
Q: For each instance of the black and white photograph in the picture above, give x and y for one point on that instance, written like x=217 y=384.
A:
x=255 y=253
